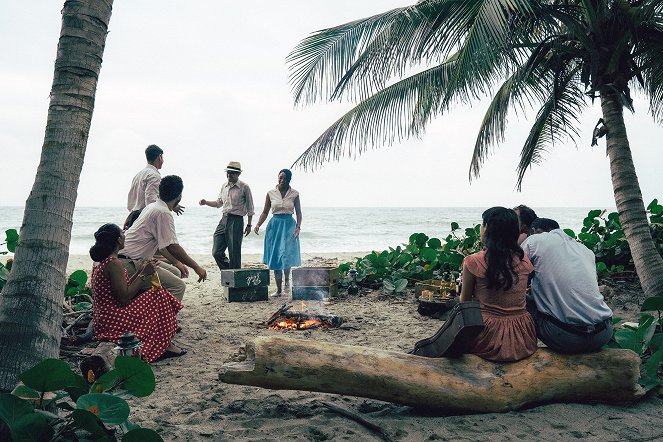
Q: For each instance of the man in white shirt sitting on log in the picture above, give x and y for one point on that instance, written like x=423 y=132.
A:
x=568 y=309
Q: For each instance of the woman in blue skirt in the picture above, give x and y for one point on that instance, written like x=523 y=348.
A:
x=281 y=251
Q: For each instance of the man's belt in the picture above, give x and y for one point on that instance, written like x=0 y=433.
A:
x=121 y=256
x=582 y=330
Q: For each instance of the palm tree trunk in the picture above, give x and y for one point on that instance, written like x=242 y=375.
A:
x=632 y=213
x=31 y=302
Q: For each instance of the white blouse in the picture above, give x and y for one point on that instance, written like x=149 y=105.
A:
x=282 y=205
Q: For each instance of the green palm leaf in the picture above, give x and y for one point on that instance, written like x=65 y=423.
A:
x=397 y=112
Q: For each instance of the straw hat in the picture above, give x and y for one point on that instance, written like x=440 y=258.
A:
x=234 y=166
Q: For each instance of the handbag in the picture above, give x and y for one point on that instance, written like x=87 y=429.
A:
x=464 y=324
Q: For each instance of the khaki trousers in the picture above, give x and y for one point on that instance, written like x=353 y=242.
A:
x=169 y=275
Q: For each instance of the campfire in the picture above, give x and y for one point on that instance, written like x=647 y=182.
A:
x=299 y=319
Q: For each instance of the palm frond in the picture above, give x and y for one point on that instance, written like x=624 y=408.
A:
x=397 y=112
x=555 y=122
x=319 y=61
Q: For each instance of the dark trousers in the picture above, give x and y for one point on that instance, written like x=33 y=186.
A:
x=228 y=235
x=565 y=339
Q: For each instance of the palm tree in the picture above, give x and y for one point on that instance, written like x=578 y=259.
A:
x=31 y=301
x=554 y=56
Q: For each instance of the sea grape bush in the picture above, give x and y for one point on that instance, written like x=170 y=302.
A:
x=603 y=235
x=430 y=258
x=420 y=259
x=54 y=403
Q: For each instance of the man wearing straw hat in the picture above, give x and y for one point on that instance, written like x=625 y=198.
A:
x=236 y=200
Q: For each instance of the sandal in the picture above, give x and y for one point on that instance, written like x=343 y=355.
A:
x=172 y=354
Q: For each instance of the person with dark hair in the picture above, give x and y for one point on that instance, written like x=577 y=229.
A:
x=497 y=278
x=565 y=302
x=236 y=201
x=525 y=218
x=145 y=185
x=281 y=248
x=541 y=225
x=154 y=230
x=120 y=304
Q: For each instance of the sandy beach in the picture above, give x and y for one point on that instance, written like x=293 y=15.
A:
x=191 y=404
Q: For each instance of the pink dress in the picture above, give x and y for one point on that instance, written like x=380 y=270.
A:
x=151 y=315
x=510 y=334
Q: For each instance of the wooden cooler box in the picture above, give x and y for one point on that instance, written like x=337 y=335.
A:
x=314 y=283
x=246 y=285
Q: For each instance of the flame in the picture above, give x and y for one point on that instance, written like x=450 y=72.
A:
x=292 y=324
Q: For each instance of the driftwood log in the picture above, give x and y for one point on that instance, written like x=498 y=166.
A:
x=99 y=362
x=468 y=383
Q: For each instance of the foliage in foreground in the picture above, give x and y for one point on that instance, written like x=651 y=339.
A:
x=54 y=403
x=645 y=338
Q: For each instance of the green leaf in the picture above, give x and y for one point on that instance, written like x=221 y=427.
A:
x=388 y=285
x=25 y=392
x=656 y=342
x=652 y=303
x=81 y=306
x=405 y=258
x=112 y=410
x=570 y=232
x=434 y=243
x=629 y=339
x=49 y=375
x=137 y=376
x=11 y=239
x=653 y=203
x=650 y=378
x=400 y=285
x=420 y=239
x=71 y=291
x=32 y=427
x=79 y=278
x=142 y=435
x=594 y=213
x=454 y=226
x=13 y=408
x=90 y=423
x=428 y=254
x=601 y=267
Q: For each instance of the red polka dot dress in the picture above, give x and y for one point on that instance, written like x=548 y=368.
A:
x=151 y=315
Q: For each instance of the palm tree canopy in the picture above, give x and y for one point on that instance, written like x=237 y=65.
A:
x=553 y=56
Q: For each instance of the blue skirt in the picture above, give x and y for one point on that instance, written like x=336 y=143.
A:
x=281 y=247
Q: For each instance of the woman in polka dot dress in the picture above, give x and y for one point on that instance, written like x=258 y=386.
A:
x=119 y=307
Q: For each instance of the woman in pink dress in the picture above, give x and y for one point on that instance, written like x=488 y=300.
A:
x=120 y=307
x=497 y=278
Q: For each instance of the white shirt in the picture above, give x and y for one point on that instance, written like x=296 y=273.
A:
x=282 y=205
x=144 y=188
x=153 y=230
x=236 y=199
x=565 y=284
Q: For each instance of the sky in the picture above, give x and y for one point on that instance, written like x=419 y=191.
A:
x=207 y=81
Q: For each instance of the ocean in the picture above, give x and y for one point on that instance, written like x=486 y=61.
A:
x=324 y=229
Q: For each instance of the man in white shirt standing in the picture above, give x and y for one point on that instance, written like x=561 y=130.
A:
x=153 y=231
x=145 y=185
x=236 y=200
x=568 y=310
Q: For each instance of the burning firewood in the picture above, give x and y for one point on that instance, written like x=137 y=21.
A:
x=468 y=383
x=284 y=318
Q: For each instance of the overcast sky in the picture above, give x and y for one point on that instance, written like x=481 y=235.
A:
x=207 y=81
